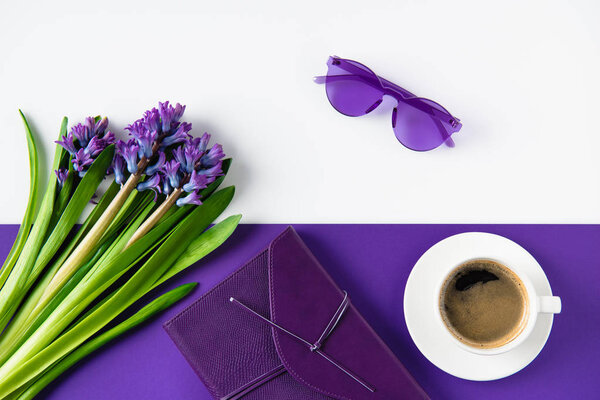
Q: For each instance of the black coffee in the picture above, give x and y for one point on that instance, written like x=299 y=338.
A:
x=483 y=304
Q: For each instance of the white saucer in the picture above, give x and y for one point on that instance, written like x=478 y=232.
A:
x=421 y=303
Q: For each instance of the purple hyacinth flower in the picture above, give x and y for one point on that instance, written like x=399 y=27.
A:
x=171 y=172
x=90 y=124
x=197 y=181
x=213 y=156
x=100 y=126
x=61 y=175
x=166 y=115
x=191 y=198
x=95 y=146
x=81 y=160
x=67 y=143
x=203 y=143
x=151 y=183
x=187 y=156
x=81 y=133
x=119 y=169
x=169 y=115
x=144 y=137
x=213 y=172
x=167 y=189
x=157 y=166
x=129 y=152
x=151 y=120
x=180 y=135
x=109 y=138
x=178 y=112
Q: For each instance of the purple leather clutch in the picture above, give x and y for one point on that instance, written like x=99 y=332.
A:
x=279 y=328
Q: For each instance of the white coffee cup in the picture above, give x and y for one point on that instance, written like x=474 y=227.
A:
x=535 y=304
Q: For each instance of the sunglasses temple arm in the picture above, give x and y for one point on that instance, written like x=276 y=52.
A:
x=324 y=79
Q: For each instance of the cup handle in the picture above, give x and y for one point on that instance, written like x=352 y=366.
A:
x=550 y=304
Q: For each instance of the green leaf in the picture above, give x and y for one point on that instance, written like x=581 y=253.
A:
x=63 y=196
x=10 y=336
x=32 y=203
x=15 y=287
x=202 y=246
x=151 y=309
x=104 y=276
x=81 y=197
x=33 y=358
x=112 y=245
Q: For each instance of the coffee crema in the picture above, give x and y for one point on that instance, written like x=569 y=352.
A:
x=483 y=304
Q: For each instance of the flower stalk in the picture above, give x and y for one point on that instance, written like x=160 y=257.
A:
x=82 y=251
x=155 y=217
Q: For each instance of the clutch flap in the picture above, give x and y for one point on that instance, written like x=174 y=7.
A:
x=328 y=346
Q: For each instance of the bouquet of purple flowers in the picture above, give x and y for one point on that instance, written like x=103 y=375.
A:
x=62 y=285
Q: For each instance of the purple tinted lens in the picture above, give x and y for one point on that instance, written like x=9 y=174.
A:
x=416 y=129
x=353 y=94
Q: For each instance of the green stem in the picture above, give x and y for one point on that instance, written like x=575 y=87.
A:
x=81 y=252
x=159 y=304
x=155 y=217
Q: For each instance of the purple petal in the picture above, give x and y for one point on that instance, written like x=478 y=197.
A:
x=178 y=112
x=81 y=133
x=167 y=189
x=94 y=147
x=61 y=175
x=129 y=152
x=197 y=181
x=118 y=167
x=187 y=157
x=109 y=138
x=191 y=198
x=169 y=115
x=171 y=172
x=67 y=143
x=151 y=183
x=81 y=160
x=212 y=172
x=101 y=126
x=144 y=138
x=213 y=156
x=180 y=135
x=152 y=169
x=203 y=144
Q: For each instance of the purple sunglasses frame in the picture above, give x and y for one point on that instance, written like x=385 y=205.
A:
x=365 y=74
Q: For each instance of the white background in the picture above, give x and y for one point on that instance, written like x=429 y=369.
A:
x=523 y=76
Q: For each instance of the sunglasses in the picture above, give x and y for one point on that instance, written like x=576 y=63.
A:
x=354 y=90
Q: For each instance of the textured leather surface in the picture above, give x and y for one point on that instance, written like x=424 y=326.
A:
x=228 y=347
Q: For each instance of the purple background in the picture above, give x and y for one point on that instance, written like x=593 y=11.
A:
x=372 y=263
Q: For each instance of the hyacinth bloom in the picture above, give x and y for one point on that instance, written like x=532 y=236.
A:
x=63 y=285
x=144 y=147
x=61 y=175
x=84 y=142
x=191 y=169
